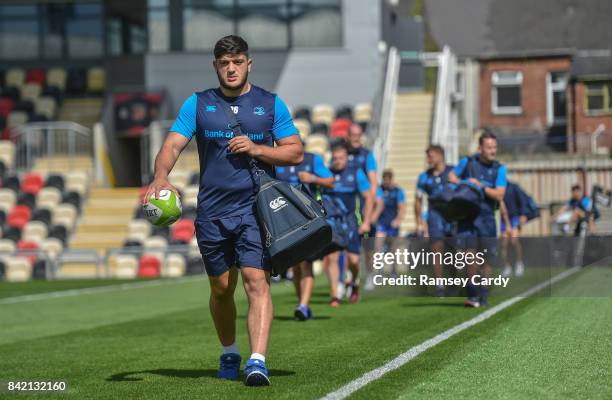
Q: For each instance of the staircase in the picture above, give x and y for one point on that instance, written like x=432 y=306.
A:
x=105 y=219
x=85 y=111
x=407 y=143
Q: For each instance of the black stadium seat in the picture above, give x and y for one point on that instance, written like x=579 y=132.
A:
x=163 y=231
x=302 y=113
x=12 y=93
x=72 y=198
x=77 y=81
x=131 y=243
x=2 y=270
x=320 y=128
x=38 y=269
x=2 y=166
x=11 y=233
x=138 y=212
x=11 y=182
x=345 y=112
x=27 y=199
x=195 y=266
x=59 y=232
x=2 y=217
x=56 y=181
x=43 y=215
x=189 y=212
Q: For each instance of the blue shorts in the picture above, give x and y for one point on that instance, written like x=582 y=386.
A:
x=478 y=234
x=354 y=244
x=231 y=241
x=387 y=229
x=515 y=223
x=437 y=226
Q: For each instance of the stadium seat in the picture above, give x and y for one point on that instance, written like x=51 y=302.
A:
x=138 y=212
x=76 y=82
x=11 y=92
x=19 y=216
x=26 y=199
x=35 y=231
x=303 y=126
x=45 y=106
x=56 y=181
x=344 y=112
x=190 y=195
x=36 y=75
x=2 y=269
x=2 y=219
x=320 y=129
x=11 y=182
x=96 y=80
x=18 y=269
x=139 y=226
x=48 y=197
x=340 y=127
x=323 y=113
x=15 y=77
x=32 y=183
x=302 y=113
x=8 y=199
x=59 y=232
x=362 y=112
x=317 y=144
x=16 y=118
x=126 y=266
x=7 y=246
x=149 y=267
x=7 y=153
x=77 y=181
x=132 y=243
x=179 y=178
x=155 y=243
x=189 y=211
x=39 y=269
x=195 y=266
x=57 y=77
x=31 y=92
x=11 y=233
x=183 y=231
x=65 y=215
x=28 y=247
x=42 y=215
x=73 y=198
x=174 y=266
x=52 y=247
x=6 y=106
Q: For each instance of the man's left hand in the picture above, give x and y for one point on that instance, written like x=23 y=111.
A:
x=364 y=228
x=242 y=144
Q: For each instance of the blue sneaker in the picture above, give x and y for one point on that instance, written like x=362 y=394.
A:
x=256 y=373
x=302 y=313
x=229 y=366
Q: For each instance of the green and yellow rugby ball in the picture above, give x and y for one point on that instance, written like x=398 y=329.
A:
x=165 y=210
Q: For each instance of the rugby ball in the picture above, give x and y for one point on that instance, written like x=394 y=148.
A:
x=165 y=210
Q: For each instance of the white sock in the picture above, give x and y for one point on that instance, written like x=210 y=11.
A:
x=257 y=356
x=232 y=348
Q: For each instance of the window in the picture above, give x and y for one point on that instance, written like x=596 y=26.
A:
x=18 y=32
x=316 y=23
x=556 y=106
x=597 y=96
x=84 y=30
x=506 y=92
x=52 y=30
x=263 y=23
x=159 y=26
x=205 y=21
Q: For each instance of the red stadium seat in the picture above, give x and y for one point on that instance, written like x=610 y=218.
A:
x=149 y=267
x=6 y=106
x=36 y=75
x=340 y=127
x=183 y=230
x=19 y=216
x=32 y=183
x=28 y=245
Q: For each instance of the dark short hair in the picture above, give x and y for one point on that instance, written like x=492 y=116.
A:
x=339 y=145
x=388 y=173
x=435 y=147
x=231 y=44
x=485 y=136
x=576 y=187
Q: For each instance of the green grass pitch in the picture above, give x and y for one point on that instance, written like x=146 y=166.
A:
x=157 y=342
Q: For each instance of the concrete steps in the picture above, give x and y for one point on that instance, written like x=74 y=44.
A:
x=85 y=111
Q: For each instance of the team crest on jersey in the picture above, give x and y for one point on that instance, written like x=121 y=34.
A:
x=350 y=178
x=259 y=110
x=234 y=109
x=211 y=108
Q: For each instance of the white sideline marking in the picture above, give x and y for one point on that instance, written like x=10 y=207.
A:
x=97 y=289
x=411 y=353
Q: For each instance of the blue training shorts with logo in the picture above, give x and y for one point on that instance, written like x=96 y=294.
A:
x=229 y=241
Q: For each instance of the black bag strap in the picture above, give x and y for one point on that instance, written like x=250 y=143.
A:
x=235 y=127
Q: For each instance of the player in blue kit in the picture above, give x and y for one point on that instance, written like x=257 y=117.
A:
x=349 y=185
x=431 y=182
x=312 y=172
x=513 y=211
x=389 y=212
x=485 y=172
x=227 y=230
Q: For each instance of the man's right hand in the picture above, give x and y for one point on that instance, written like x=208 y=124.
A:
x=156 y=186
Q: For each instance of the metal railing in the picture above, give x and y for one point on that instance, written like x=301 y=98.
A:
x=387 y=106
x=51 y=140
x=445 y=121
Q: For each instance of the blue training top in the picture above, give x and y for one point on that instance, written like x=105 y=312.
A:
x=313 y=163
x=363 y=159
x=392 y=197
x=349 y=184
x=226 y=184
x=491 y=175
x=430 y=183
